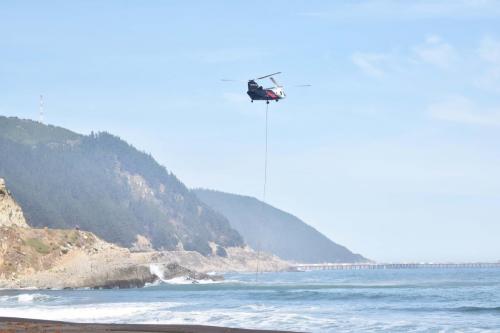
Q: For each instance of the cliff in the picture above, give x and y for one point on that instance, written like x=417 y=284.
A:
x=10 y=212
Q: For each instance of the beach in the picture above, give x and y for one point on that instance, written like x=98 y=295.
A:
x=11 y=325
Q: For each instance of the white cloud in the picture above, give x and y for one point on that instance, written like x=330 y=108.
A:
x=370 y=63
x=462 y=110
x=489 y=53
x=224 y=55
x=436 y=52
x=489 y=50
x=372 y=10
x=490 y=80
x=433 y=51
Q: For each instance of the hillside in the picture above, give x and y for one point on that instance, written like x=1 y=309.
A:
x=69 y=258
x=275 y=231
x=102 y=184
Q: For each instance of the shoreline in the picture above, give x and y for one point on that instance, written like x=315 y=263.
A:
x=20 y=325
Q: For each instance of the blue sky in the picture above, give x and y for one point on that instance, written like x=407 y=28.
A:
x=394 y=151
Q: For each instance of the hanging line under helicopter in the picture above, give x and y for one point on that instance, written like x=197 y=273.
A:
x=264 y=189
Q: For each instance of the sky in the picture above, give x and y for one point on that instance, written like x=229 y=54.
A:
x=393 y=151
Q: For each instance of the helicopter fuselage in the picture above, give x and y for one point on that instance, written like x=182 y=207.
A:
x=258 y=93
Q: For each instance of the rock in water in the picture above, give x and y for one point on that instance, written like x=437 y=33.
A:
x=123 y=277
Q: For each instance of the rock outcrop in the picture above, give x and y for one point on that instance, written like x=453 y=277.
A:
x=10 y=212
x=135 y=276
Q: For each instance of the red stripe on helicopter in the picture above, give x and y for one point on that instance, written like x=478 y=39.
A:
x=271 y=94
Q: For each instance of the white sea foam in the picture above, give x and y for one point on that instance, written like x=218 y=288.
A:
x=255 y=316
x=158 y=271
x=26 y=298
x=188 y=280
x=105 y=313
x=180 y=280
x=267 y=317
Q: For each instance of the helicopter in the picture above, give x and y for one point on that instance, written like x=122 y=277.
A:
x=258 y=93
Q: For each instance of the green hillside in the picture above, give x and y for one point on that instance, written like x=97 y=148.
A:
x=272 y=230
x=104 y=185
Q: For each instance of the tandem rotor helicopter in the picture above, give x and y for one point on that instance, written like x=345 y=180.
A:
x=258 y=93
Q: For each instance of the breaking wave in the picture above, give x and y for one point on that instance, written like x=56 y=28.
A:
x=159 y=272
x=105 y=313
x=27 y=298
x=403 y=301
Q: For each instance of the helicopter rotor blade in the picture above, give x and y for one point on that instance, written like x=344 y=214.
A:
x=302 y=85
x=275 y=82
x=263 y=77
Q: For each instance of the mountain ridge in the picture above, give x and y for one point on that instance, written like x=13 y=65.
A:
x=263 y=226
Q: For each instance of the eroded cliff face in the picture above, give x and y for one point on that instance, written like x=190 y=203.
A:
x=10 y=212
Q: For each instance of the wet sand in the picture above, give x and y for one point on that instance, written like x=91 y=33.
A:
x=20 y=325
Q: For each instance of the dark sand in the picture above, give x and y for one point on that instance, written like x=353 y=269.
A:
x=20 y=325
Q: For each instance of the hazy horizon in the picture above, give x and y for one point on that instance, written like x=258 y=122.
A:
x=392 y=152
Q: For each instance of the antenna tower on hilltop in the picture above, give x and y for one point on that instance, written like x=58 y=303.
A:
x=40 y=110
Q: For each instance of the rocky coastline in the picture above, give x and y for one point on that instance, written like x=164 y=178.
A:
x=61 y=258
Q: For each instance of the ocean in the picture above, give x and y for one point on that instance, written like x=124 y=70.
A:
x=391 y=300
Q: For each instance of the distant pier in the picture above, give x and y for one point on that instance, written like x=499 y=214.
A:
x=319 y=267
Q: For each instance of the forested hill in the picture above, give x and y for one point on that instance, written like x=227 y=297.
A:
x=102 y=184
x=272 y=230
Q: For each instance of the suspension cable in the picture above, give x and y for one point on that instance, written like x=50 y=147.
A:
x=263 y=190
x=265 y=159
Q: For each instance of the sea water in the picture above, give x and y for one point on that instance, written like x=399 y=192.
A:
x=392 y=300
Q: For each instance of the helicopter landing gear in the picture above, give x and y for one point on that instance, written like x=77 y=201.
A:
x=252 y=100
x=267 y=102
